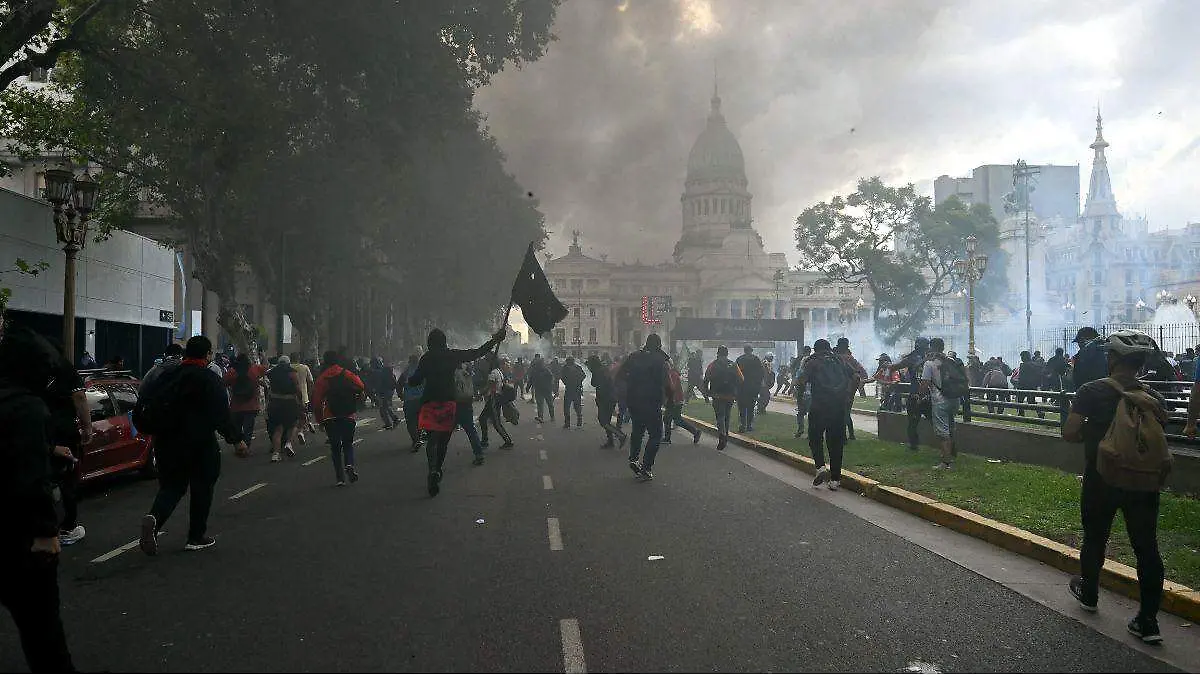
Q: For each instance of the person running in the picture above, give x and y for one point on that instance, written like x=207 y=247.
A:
x=606 y=402
x=572 y=377
x=860 y=376
x=520 y=372
x=748 y=390
x=438 y=408
x=645 y=375
x=464 y=412
x=541 y=379
x=673 y=413
x=768 y=382
x=70 y=433
x=695 y=373
x=336 y=398
x=833 y=385
x=195 y=408
x=244 y=381
x=721 y=382
x=412 y=395
x=783 y=380
x=283 y=407
x=941 y=408
x=803 y=394
x=304 y=378
x=492 y=404
x=1092 y=413
x=383 y=382
x=29 y=542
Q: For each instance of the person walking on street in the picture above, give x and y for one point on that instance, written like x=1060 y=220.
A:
x=383 y=382
x=244 y=381
x=412 y=395
x=464 y=409
x=29 y=541
x=606 y=401
x=189 y=407
x=435 y=370
x=541 y=379
x=645 y=375
x=283 y=407
x=748 y=390
x=1108 y=486
x=572 y=377
x=673 y=414
x=695 y=373
x=941 y=407
x=803 y=394
x=722 y=379
x=304 y=378
x=833 y=384
x=336 y=399
x=492 y=403
x=70 y=433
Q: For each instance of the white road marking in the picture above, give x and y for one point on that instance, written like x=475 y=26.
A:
x=248 y=490
x=547 y=484
x=363 y=423
x=314 y=460
x=356 y=441
x=555 y=533
x=542 y=455
x=572 y=646
x=117 y=551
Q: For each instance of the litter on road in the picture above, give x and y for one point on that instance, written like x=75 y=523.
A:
x=656 y=557
x=479 y=521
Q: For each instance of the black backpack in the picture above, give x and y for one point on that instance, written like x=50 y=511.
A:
x=832 y=378
x=723 y=380
x=954 y=379
x=160 y=405
x=280 y=378
x=342 y=397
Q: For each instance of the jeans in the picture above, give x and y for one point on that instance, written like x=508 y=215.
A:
x=674 y=414
x=491 y=413
x=245 y=420
x=649 y=422
x=1028 y=398
x=387 y=414
x=181 y=468
x=341 y=444
x=29 y=591
x=573 y=399
x=723 y=410
x=465 y=417
x=849 y=424
x=412 y=414
x=544 y=398
x=605 y=409
x=828 y=425
x=746 y=414
x=1099 y=502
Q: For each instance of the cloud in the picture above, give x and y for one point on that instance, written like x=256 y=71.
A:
x=820 y=94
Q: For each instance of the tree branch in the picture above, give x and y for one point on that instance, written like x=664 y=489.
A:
x=72 y=41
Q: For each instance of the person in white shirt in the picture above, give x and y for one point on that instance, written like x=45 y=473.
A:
x=306 y=382
x=492 y=403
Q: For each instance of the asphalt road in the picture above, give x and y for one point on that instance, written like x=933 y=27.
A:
x=755 y=575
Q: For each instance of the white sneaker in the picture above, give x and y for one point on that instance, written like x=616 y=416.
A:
x=834 y=485
x=300 y=437
x=287 y=447
x=68 y=537
x=822 y=475
x=275 y=457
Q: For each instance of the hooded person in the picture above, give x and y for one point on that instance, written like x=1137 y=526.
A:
x=438 y=413
x=646 y=382
x=572 y=377
x=606 y=401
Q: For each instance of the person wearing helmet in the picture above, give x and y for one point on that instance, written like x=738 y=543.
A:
x=1091 y=414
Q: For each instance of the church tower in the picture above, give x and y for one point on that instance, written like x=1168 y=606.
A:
x=1100 y=215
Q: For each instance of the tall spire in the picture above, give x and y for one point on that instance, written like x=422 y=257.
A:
x=716 y=97
x=1101 y=203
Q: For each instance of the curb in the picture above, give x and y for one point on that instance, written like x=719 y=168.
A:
x=1177 y=598
x=857 y=411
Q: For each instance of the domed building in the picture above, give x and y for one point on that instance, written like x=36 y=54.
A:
x=719 y=268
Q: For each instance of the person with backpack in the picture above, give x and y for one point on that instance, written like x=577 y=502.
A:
x=644 y=373
x=1126 y=463
x=284 y=407
x=695 y=373
x=29 y=542
x=438 y=408
x=383 y=383
x=860 y=376
x=336 y=399
x=493 y=400
x=184 y=408
x=748 y=391
x=606 y=401
x=915 y=405
x=721 y=382
x=71 y=432
x=833 y=384
x=764 y=394
x=673 y=411
x=572 y=377
x=541 y=379
x=803 y=395
x=244 y=381
x=464 y=409
x=943 y=383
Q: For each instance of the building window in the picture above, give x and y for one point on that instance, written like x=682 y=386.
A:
x=575 y=312
x=591 y=336
x=560 y=335
x=577 y=284
x=591 y=312
x=706 y=207
x=1095 y=299
x=735 y=309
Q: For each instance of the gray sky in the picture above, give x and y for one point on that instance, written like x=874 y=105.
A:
x=820 y=93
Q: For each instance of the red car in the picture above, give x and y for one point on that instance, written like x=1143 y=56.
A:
x=116 y=445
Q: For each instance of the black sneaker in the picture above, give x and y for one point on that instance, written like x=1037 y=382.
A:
x=665 y=441
x=352 y=473
x=539 y=420
x=822 y=475
x=1146 y=629
x=721 y=443
x=507 y=445
x=149 y=540
x=477 y=461
x=1075 y=586
x=198 y=544
x=695 y=437
x=635 y=465
x=433 y=483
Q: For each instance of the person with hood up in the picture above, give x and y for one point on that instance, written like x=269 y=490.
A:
x=541 y=380
x=411 y=403
x=383 y=383
x=572 y=377
x=336 y=398
x=606 y=401
x=644 y=374
x=438 y=414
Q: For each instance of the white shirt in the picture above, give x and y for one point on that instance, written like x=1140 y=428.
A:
x=305 y=378
x=495 y=381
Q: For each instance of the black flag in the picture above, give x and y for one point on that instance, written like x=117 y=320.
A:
x=531 y=292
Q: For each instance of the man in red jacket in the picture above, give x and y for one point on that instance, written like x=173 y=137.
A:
x=335 y=401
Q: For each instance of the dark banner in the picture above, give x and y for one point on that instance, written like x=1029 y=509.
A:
x=738 y=330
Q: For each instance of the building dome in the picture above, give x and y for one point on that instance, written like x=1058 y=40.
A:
x=716 y=154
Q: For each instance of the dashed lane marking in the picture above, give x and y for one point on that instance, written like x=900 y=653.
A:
x=117 y=551
x=555 y=533
x=542 y=455
x=248 y=490
x=356 y=441
x=572 y=646
x=547 y=484
x=314 y=460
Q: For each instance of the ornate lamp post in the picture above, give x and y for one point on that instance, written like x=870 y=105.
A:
x=1164 y=296
x=971 y=269
x=73 y=198
x=1068 y=309
x=1191 y=300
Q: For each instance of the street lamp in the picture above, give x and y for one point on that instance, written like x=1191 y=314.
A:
x=1191 y=301
x=971 y=269
x=73 y=198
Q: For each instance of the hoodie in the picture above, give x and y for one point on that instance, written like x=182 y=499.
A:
x=25 y=484
x=321 y=391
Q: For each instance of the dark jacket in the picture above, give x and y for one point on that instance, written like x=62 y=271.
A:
x=645 y=376
x=541 y=378
x=436 y=371
x=25 y=490
x=572 y=377
x=752 y=372
x=1091 y=363
x=602 y=381
x=381 y=380
x=207 y=410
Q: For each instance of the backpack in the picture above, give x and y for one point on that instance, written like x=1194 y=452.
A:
x=508 y=393
x=832 y=378
x=280 y=378
x=464 y=386
x=342 y=398
x=955 y=383
x=509 y=412
x=160 y=405
x=243 y=387
x=1133 y=454
x=724 y=379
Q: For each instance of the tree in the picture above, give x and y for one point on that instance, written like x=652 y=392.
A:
x=35 y=33
x=897 y=243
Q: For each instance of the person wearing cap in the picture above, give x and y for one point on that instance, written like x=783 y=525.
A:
x=1091 y=361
